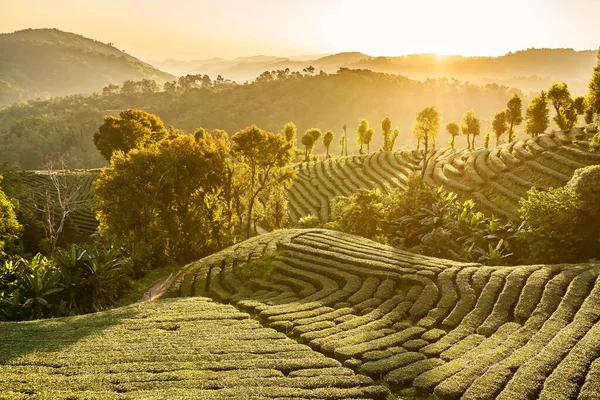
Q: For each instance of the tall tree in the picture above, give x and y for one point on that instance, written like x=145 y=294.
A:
x=368 y=137
x=290 y=133
x=362 y=128
x=10 y=228
x=153 y=201
x=327 y=140
x=131 y=129
x=453 y=130
x=500 y=125
x=309 y=144
x=342 y=143
x=514 y=115
x=345 y=140
x=308 y=141
x=594 y=88
x=395 y=134
x=537 y=115
x=266 y=155
x=560 y=97
x=427 y=127
x=386 y=130
x=471 y=126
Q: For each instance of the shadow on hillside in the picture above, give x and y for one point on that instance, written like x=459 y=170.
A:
x=18 y=339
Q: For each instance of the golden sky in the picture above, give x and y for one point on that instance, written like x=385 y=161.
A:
x=188 y=29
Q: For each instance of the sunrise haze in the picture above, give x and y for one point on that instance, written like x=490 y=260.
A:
x=186 y=29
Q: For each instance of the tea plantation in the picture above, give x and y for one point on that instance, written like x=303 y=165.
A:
x=452 y=329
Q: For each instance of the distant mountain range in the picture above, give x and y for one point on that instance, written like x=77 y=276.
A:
x=49 y=62
x=38 y=62
x=528 y=70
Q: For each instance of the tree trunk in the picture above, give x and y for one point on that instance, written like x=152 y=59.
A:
x=468 y=141
x=425 y=160
x=452 y=142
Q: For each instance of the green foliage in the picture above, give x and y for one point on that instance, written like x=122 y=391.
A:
x=514 y=115
x=448 y=228
x=560 y=97
x=453 y=130
x=289 y=130
x=594 y=88
x=361 y=131
x=471 y=126
x=309 y=140
x=264 y=155
x=74 y=280
x=386 y=130
x=10 y=228
x=133 y=129
x=580 y=104
x=276 y=209
x=563 y=225
x=359 y=214
x=393 y=138
x=368 y=137
x=327 y=140
x=308 y=221
x=537 y=115
x=500 y=125
x=166 y=203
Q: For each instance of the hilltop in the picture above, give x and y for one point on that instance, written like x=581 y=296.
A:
x=38 y=62
x=528 y=70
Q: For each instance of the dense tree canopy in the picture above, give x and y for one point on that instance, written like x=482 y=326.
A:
x=10 y=228
x=154 y=201
x=64 y=127
x=133 y=129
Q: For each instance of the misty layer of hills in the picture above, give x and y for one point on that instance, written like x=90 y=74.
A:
x=48 y=62
x=43 y=62
x=528 y=70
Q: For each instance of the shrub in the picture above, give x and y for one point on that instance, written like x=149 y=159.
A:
x=563 y=225
x=309 y=221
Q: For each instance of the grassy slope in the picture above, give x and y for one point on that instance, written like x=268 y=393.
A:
x=182 y=348
x=456 y=330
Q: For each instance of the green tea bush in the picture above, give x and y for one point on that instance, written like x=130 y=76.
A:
x=563 y=225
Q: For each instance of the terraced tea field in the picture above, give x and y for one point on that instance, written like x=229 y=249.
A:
x=452 y=329
x=171 y=349
x=317 y=183
x=496 y=179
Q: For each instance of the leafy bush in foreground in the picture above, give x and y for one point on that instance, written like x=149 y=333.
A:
x=563 y=225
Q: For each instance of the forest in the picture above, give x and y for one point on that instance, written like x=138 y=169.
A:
x=63 y=128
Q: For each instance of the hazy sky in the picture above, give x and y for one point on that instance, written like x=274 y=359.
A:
x=191 y=29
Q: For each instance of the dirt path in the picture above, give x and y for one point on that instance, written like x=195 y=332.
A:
x=158 y=289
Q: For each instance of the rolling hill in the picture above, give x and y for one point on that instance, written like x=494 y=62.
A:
x=496 y=178
x=428 y=325
x=177 y=349
x=42 y=62
x=528 y=70
x=317 y=314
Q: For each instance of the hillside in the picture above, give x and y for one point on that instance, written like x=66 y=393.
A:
x=184 y=349
x=41 y=62
x=64 y=127
x=496 y=178
x=528 y=70
x=458 y=330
